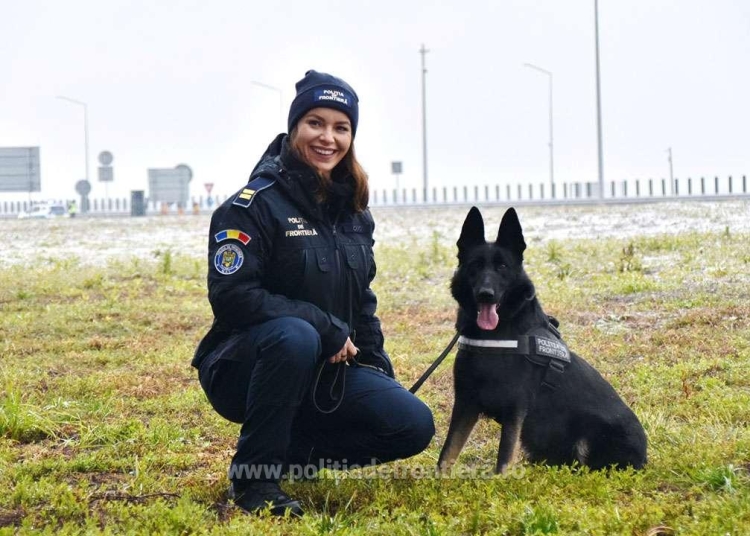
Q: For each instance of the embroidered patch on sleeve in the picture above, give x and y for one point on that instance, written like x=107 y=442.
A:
x=232 y=234
x=228 y=259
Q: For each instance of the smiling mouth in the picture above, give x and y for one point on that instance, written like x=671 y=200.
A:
x=323 y=152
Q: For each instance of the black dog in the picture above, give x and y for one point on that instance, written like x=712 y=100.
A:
x=513 y=366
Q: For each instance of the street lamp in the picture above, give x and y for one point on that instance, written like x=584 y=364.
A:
x=85 y=129
x=598 y=103
x=274 y=88
x=551 y=137
x=423 y=51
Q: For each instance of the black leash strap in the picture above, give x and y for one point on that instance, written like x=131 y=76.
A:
x=435 y=365
x=337 y=398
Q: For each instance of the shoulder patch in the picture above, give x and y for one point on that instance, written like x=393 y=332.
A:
x=228 y=259
x=246 y=196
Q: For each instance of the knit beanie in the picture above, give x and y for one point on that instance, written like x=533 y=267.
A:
x=321 y=90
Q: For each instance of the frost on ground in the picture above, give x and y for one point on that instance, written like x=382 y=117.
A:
x=542 y=223
x=96 y=241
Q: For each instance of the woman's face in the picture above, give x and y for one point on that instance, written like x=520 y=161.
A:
x=323 y=137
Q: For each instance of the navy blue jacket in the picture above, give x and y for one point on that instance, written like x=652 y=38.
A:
x=275 y=251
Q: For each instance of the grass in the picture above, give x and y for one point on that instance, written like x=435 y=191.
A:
x=104 y=428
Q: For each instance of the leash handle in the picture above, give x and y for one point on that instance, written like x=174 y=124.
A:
x=435 y=365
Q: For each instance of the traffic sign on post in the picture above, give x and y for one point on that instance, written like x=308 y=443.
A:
x=19 y=169
x=105 y=158
x=83 y=188
x=106 y=174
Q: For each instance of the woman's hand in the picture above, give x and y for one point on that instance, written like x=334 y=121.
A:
x=348 y=351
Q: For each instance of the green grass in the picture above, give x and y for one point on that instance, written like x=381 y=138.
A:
x=104 y=428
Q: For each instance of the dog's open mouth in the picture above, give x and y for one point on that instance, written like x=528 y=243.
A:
x=487 y=318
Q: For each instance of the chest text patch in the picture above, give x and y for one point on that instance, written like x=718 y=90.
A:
x=552 y=348
x=299 y=228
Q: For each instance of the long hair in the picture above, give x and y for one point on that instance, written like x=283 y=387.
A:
x=351 y=167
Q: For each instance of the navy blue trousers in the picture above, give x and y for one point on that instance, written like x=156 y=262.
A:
x=265 y=378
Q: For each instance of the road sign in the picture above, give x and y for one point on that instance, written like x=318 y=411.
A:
x=83 y=187
x=106 y=174
x=19 y=169
x=186 y=169
x=105 y=158
x=169 y=185
x=209 y=186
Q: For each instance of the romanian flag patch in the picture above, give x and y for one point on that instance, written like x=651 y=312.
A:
x=232 y=234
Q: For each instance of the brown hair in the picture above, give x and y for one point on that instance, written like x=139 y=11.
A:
x=353 y=168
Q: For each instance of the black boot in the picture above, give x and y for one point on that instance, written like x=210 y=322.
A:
x=256 y=496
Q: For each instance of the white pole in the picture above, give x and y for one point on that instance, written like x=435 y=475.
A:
x=423 y=51
x=671 y=172
x=551 y=135
x=281 y=111
x=598 y=103
x=85 y=129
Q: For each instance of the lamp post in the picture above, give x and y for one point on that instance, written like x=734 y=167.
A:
x=85 y=129
x=598 y=103
x=274 y=88
x=671 y=172
x=423 y=51
x=551 y=135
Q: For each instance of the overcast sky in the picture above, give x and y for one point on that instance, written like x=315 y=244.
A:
x=171 y=82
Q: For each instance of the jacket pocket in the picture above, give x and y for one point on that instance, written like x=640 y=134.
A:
x=354 y=256
x=323 y=257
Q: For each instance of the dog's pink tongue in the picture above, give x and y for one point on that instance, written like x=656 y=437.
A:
x=487 y=318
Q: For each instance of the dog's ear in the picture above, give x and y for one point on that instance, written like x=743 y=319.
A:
x=472 y=233
x=510 y=234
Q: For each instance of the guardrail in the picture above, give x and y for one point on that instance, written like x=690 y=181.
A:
x=630 y=191
x=617 y=192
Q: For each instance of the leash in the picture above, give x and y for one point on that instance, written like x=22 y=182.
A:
x=337 y=398
x=413 y=389
x=435 y=365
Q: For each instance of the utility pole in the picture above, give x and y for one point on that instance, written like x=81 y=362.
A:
x=598 y=103
x=551 y=136
x=85 y=129
x=671 y=172
x=423 y=51
x=277 y=90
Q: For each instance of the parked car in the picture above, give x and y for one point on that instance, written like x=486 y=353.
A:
x=44 y=211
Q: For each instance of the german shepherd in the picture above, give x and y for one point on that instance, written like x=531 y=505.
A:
x=513 y=367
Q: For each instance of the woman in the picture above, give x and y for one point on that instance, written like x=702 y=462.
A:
x=295 y=353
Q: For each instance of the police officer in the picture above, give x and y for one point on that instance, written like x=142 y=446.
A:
x=295 y=353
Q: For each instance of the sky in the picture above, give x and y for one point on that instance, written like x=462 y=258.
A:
x=209 y=84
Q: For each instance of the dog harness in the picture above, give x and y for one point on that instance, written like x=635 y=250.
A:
x=541 y=346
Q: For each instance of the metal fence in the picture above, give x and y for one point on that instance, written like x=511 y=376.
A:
x=631 y=191
x=623 y=191
x=117 y=206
